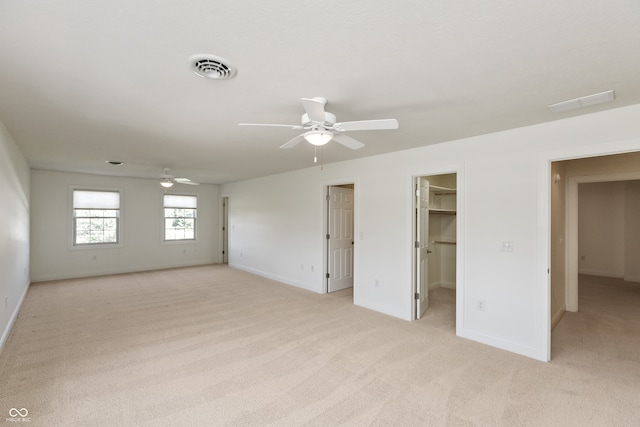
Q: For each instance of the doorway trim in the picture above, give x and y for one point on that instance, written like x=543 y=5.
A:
x=460 y=237
x=325 y=228
x=223 y=227
x=543 y=277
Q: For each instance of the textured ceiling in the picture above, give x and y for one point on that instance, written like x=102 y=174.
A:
x=85 y=82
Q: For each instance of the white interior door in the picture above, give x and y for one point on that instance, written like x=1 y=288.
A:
x=421 y=246
x=340 y=239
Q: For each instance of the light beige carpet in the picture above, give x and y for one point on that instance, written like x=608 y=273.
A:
x=208 y=346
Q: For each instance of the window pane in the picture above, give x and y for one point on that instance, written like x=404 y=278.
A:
x=180 y=227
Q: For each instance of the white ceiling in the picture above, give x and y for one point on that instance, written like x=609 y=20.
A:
x=84 y=82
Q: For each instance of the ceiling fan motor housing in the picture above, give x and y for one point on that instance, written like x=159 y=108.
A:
x=329 y=119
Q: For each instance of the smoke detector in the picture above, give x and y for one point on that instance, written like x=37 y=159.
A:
x=212 y=67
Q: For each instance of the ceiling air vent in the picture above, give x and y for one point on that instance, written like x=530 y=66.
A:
x=212 y=66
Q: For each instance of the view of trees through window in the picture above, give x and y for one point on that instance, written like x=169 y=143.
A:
x=96 y=226
x=180 y=217
x=179 y=224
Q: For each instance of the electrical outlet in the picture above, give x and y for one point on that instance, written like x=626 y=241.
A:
x=312 y=268
x=480 y=305
x=376 y=283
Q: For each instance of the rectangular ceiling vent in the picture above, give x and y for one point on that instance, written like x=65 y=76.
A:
x=585 y=101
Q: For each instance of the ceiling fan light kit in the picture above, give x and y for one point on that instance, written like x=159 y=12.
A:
x=166 y=182
x=318 y=137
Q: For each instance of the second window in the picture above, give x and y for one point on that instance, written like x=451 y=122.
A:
x=180 y=217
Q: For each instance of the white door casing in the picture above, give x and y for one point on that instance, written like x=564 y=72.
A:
x=421 y=246
x=340 y=238
x=225 y=230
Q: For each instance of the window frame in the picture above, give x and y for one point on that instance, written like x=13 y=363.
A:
x=164 y=219
x=73 y=244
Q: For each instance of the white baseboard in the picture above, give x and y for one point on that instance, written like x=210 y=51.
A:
x=514 y=347
x=599 y=273
x=274 y=277
x=555 y=319
x=441 y=284
x=632 y=279
x=380 y=309
x=448 y=285
x=12 y=320
x=110 y=271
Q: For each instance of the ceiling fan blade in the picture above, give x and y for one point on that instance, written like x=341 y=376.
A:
x=347 y=141
x=314 y=108
x=367 y=125
x=293 y=142
x=185 y=181
x=271 y=125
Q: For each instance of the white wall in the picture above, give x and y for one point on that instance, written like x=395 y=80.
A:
x=608 y=229
x=632 y=231
x=276 y=223
x=14 y=231
x=601 y=228
x=53 y=256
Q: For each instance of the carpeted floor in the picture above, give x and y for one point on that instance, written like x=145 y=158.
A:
x=208 y=346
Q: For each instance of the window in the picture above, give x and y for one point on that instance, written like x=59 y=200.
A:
x=180 y=217
x=96 y=217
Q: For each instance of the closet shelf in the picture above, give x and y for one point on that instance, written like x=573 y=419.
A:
x=442 y=211
x=445 y=242
x=438 y=190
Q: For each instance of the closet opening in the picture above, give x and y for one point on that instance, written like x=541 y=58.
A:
x=435 y=254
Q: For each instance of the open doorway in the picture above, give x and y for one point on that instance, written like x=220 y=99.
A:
x=340 y=239
x=595 y=203
x=435 y=254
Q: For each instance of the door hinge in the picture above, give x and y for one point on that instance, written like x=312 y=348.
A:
x=327 y=275
x=223 y=252
x=328 y=237
x=417 y=244
x=328 y=198
x=417 y=295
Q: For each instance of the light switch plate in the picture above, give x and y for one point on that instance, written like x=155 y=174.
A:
x=506 y=246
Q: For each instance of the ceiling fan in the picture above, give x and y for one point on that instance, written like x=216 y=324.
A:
x=167 y=180
x=320 y=126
